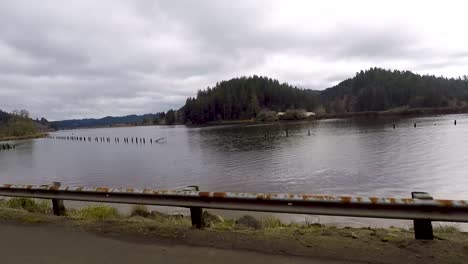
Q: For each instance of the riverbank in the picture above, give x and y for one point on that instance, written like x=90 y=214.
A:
x=397 y=112
x=269 y=236
x=415 y=112
x=33 y=136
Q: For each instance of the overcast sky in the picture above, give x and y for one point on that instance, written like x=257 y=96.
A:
x=75 y=59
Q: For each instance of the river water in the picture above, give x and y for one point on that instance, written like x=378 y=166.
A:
x=364 y=156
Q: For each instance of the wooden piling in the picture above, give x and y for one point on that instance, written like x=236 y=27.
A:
x=308 y=132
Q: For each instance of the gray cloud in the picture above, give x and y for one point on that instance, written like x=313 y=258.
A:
x=97 y=58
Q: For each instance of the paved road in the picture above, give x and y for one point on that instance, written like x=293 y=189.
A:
x=55 y=244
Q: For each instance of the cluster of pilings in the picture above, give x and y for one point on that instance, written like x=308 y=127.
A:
x=394 y=127
x=131 y=140
x=415 y=125
x=7 y=146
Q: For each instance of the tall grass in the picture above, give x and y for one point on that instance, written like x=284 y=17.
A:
x=96 y=212
x=30 y=205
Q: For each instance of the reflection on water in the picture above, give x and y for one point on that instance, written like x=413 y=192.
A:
x=340 y=157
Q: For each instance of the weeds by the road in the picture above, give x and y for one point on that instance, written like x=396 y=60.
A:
x=96 y=212
x=447 y=228
x=30 y=205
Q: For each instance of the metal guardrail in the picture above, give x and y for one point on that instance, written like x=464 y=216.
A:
x=422 y=208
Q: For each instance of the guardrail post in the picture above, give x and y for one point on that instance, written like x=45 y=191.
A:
x=196 y=216
x=196 y=212
x=57 y=205
x=422 y=227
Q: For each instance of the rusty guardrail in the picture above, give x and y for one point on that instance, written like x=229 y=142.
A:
x=422 y=208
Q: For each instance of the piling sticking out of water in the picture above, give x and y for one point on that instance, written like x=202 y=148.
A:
x=7 y=146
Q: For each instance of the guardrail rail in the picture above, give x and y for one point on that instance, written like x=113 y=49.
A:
x=421 y=208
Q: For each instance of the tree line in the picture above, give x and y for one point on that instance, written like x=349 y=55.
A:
x=260 y=98
x=16 y=124
x=244 y=98
x=375 y=89
x=379 y=89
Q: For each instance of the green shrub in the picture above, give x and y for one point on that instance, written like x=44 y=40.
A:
x=294 y=114
x=248 y=221
x=266 y=115
x=97 y=212
x=140 y=210
x=271 y=222
x=29 y=205
x=447 y=228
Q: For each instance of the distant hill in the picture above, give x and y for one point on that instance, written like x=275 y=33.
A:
x=371 y=90
x=378 y=90
x=108 y=121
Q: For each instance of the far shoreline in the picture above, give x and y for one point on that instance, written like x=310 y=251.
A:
x=407 y=112
x=33 y=136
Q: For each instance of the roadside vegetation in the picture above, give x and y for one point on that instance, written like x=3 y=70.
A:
x=95 y=212
x=140 y=213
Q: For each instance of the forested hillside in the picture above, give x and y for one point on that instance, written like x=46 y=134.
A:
x=378 y=89
x=244 y=98
x=16 y=124
x=371 y=90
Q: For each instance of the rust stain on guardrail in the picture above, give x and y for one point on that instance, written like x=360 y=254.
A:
x=447 y=203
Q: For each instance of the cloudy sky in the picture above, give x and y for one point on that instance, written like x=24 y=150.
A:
x=74 y=59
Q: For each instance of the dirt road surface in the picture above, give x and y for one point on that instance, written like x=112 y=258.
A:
x=58 y=244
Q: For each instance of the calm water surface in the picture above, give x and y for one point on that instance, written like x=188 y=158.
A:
x=340 y=157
